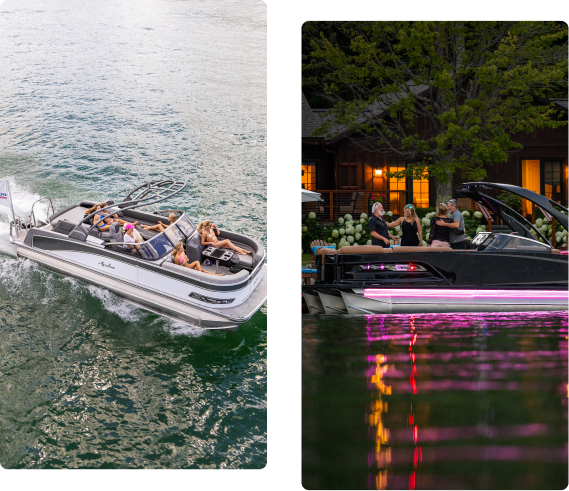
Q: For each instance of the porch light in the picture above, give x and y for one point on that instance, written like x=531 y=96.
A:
x=378 y=172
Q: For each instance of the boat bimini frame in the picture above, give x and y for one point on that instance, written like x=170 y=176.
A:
x=150 y=193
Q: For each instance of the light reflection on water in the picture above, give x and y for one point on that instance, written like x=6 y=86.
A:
x=450 y=401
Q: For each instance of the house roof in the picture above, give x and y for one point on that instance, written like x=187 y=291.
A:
x=377 y=109
x=561 y=103
x=309 y=121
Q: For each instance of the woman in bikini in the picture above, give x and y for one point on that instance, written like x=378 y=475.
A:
x=209 y=237
x=105 y=225
x=160 y=227
x=181 y=259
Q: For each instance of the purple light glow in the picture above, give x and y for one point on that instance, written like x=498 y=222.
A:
x=465 y=294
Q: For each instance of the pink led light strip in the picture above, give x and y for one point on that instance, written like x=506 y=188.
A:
x=446 y=293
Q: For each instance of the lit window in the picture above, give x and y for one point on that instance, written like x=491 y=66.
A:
x=309 y=176
x=396 y=200
x=421 y=193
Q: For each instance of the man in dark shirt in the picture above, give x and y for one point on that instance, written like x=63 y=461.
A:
x=378 y=228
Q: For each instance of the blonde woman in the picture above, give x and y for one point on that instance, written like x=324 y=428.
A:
x=160 y=227
x=181 y=259
x=210 y=232
x=439 y=233
x=410 y=226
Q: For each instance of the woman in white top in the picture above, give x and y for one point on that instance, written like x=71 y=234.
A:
x=129 y=237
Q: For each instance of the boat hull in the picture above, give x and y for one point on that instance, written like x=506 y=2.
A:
x=157 y=302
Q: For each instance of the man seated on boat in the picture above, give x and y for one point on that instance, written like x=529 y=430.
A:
x=160 y=227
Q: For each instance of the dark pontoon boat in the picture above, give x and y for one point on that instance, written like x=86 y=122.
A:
x=498 y=272
x=70 y=243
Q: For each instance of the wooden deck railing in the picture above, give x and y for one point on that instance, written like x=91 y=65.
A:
x=338 y=203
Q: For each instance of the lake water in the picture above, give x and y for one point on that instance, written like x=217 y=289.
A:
x=435 y=401
x=96 y=98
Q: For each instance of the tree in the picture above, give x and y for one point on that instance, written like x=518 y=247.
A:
x=443 y=96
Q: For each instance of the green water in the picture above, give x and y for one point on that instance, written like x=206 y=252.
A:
x=435 y=401
x=96 y=98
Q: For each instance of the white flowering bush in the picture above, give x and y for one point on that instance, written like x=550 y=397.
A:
x=363 y=216
x=312 y=215
x=348 y=217
x=466 y=214
x=478 y=214
x=335 y=234
x=358 y=236
x=426 y=222
x=368 y=242
x=305 y=229
x=350 y=239
x=362 y=220
x=341 y=221
x=389 y=213
x=358 y=228
x=539 y=223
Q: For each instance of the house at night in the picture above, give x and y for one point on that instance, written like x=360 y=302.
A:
x=350 y=179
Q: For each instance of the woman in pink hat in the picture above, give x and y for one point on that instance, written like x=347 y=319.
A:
x=130 y=238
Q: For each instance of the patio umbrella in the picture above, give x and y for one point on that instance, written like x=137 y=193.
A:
x=310 y=196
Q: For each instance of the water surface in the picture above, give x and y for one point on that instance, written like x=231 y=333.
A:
x=435 y=401
x=96 y=98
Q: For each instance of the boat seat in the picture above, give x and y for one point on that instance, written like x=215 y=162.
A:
x=207 y=278
x=361 y=249
x=421 y=249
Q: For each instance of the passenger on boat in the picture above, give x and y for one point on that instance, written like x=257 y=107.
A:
x=108 y=220
x=439 y=235
x=410 y=226
x=378 y=227
x=181 y=259
x=160 y=227
x=130 y=238
x=209 y=237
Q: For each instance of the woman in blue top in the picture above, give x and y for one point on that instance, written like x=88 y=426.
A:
x=107 y=221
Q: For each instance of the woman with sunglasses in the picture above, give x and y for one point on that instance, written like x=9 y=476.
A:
x=410 y=226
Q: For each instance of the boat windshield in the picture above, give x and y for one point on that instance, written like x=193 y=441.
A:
x=155 y=248
x=174 y=234
x=492 y=242
x=185 y=225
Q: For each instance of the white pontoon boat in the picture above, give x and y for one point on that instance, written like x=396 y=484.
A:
x=69 y=242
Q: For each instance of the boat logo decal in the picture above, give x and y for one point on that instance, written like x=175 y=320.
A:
x=107 y=265
x=538 y=271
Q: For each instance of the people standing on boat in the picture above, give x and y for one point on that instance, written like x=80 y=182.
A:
x=378 y=227
x=209 y=237
x=160 y=227
x=410 y=226
x=181 y=259
x=439 y=236
x=457 y=238
x=130 y=238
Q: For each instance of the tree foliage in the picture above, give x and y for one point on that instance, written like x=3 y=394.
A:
x=443 y=96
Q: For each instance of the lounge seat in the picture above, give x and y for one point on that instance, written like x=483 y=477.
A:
x=230 y=279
